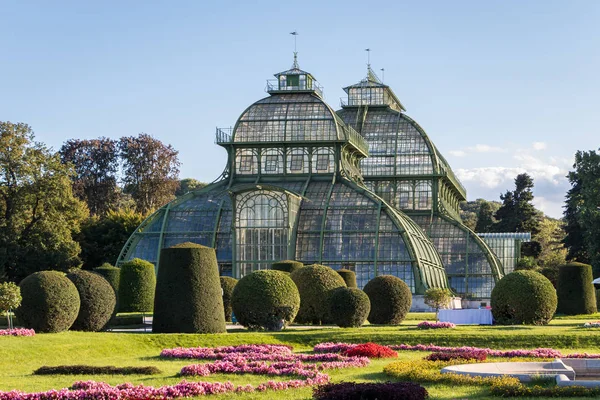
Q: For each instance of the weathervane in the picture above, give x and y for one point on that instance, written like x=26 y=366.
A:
x=368 y=58
x=382 y=74
x=295 y=34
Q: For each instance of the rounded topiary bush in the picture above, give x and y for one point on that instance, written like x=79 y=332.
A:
x=111 y=274
x=137 y=283
x=575 y=290
x=390 y=298
x=348 y=276
x=50 y=302
x=98 y=300
x=349 y=307
x=227 y=284
x=188 y=291
x=287 y=266
x=314 y=283
x=523 y=297
x=265 y=299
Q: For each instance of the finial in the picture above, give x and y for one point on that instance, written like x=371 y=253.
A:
x=382 y=75
x=295 y=64
x=368 y=58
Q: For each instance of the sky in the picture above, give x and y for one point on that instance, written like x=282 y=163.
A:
x=501 y=87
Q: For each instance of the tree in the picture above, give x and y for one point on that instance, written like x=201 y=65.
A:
x=517 y=213
x=553 y=252
x=10 y=299
x=582 y=211
x=96 y=163
x=485 y=216
x=188 y=185
x=471 y=212
x=437 y=298
x=101 y=239
x=38 y=212
x=150 y=171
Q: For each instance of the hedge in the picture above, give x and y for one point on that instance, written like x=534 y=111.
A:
x=137 y=283
x=575 y=290
x=50 y=302
x=227 y=285
x=266 y=299
x=98 y=301
x=367 y=391
x=287 y=266
x=523 y=297
x=95 y=370
x=349 y=277
x=188 y=291
x=349 y=307
x=314 y=284
x=390 y=298
x=111 y=274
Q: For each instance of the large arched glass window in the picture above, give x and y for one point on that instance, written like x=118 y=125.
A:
x=261 y=229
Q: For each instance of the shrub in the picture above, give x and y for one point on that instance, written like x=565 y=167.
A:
x=111 y=274
x=188 y=291
x=435 y=325
x=523 y=297
x=227 y=284
x=349 y=277
x=137 y=283
x=371 y=350
x=50 y=302
x=97 y=298
x=575 y=290
x=314 y=284
x=287 y=266
x=370 y=391
x=265 y=299
x=10 y=299
x=95 y=370
x=390 y=299
x=437 y=298
x=349 y=307
x=457 y=355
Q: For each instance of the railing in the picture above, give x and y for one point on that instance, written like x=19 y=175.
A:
x=223 y=135
x=355 y=139
x=273 y=86
x=364 y=102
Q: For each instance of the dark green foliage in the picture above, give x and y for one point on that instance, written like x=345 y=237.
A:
x=314 y=283
x=349 y=307
x=485 y=216
x=523 y=297
x=265 y=299
x=370 y=391
x=575 y=291
x=137 y=283
x=188 y=291
x=50 y=302
x=517 y=213
x=227 y=284
x=98 y=301
x=390 y=298
x=111 y=274
x=95 y=370
x=188 y=185
x=287 y=266
x=348 y=276
x=551 y=273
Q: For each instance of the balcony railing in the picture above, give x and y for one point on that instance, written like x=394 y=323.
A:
x=355 y=139
x=273 y=86
x=223 y=135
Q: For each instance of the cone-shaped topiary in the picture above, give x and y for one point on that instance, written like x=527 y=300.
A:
x=98 y=300
x=227 y=284
x=137 y=283
x=523 y=297
x=50 y=302
x=287 y=266
x=348 y=276
x=575 y=290
x=349 y=307
x=390 y=298
x=111 y=274
x=265 y=299
x=188 y=291
x=314 y=283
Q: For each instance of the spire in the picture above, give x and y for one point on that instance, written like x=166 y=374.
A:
x=295 y=64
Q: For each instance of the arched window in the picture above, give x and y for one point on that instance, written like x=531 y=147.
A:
x=297 y=161
x=246 y=162
x=272 y=161
x=323 y=160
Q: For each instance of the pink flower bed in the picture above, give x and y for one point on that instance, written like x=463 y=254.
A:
x=435 y=325
x=536 y=353
x=17 y=332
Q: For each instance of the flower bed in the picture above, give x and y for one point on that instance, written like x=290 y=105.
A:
x=95 y=370
x=371 y=350
x=436 y=325
x=387 y=391
x=595 y=324
x=17 y=332
x=471 y=355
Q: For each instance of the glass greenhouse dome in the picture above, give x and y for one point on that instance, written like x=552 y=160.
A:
x=293 y=189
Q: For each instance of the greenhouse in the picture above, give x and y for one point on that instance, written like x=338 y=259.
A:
x=362 y=189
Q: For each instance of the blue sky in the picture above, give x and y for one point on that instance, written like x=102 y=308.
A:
x=501 y=87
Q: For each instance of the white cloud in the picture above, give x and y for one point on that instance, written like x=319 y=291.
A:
x=539 y=145
x=457 y=153
x=484 y=148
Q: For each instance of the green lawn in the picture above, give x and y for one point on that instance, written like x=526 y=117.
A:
x=20 y=356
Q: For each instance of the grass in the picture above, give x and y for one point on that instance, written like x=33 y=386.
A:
x=22 y=355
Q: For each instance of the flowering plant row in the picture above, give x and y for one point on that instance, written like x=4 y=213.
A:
x=371 y=350
x=17 y=332
x=535 y=353
x=436 y=325
x=457 y=355
x=595 y=324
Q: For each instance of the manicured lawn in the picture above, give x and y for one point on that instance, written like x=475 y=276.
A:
x=20 y=356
